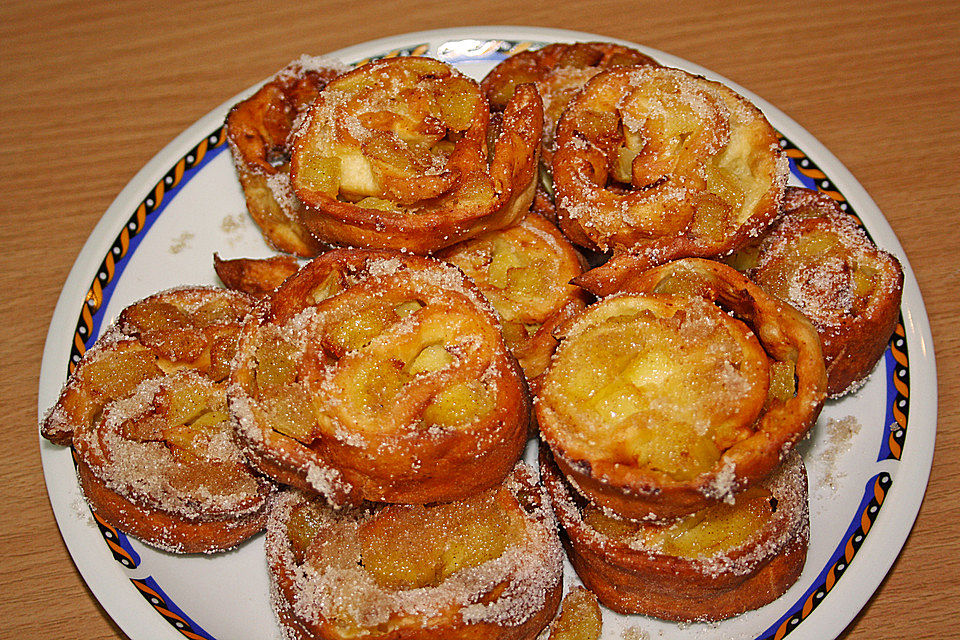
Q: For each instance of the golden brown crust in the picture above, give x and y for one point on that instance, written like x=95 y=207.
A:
x=525 y=271
x=382 y=376
x=820 y=261
x=160 y=528
x=706 y=569
x=485 y=568
x=558 y=71
x=257 y=132
x=395 y=155
x=255 y=276
x=746 y=439
x=145 y=411
x=665 y=164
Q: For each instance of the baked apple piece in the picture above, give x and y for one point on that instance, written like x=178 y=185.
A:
x=716 y=563
x=146 y=413
x=665 y=164
x=382 y=376
x=558 y=71
x=484 y=567
x=257 y=130
x=680 y=391
x=580 y=617
x=819 y=260
x=525 y=272
x=394 y=154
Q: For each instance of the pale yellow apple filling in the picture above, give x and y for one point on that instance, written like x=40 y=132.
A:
x=662 y=383
x=413 y=546
x=715 y=530
x=373 y=374
x=382 y=138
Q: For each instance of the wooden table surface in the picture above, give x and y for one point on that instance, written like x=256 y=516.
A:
x=92 y=90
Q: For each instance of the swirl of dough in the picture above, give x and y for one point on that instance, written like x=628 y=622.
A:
x=258 y=129
x=487 y=567
x=394 y=154
x=559 y=72
x=820 y=261
x=379 y=375
x=525 y=271
x=146 y=413
x=681 y=390
x=665 y=164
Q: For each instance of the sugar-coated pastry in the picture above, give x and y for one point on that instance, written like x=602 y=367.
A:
x=680 y=391
x=394 y=154
x=559 y=72
x=487 y=567
x=665 y=164
x=820 y=261
x=726 y=559
x=525 y=271
x=146 y=413
x=382 y=376
x=255 y=276
x=257 y=131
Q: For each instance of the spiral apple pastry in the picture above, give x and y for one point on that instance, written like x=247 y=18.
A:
x=525 y=272
x=559 y=72
x=394 y=154
x=820 y=261
x=485 y=567
x=665 y=164
x=679 y=392
x=718 y=562
x=257 y=130
x=382 y=376
x=146 y=412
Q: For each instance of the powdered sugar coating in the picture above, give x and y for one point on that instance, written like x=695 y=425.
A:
x=346 y=598
x=820 y=261
x=355 y=327
x=149 y=473
x=647 y=190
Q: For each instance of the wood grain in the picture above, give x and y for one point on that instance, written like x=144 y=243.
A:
x=90 y=91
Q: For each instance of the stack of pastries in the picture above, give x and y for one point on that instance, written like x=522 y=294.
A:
x=586 y=248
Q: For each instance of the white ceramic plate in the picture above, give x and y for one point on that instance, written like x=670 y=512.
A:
x=185 y=204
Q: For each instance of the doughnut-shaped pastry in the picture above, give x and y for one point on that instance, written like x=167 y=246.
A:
x=559 y=71
x=146 y=413
x=394 y=154
x=525 y=271
x=485 y=567
x=680 y=392
x=713 y=564
x=257 y=277
x=382 y=376
x=257 y=132
x=665 y=164
x=820 y=261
